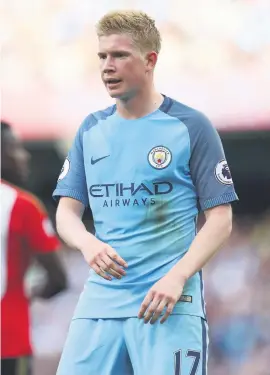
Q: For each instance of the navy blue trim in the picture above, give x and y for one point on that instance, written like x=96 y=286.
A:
x=223 y=199
x=196 y=225
x=202 y=297
x=113 y=109
x=166 y=104
x=204 y=347
x=103 y=114
x=58 y=193
x=87 y=124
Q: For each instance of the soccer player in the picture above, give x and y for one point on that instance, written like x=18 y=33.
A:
x=26 y=235
x=144 y=166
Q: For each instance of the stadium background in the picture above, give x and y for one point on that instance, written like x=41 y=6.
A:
x=215 y=57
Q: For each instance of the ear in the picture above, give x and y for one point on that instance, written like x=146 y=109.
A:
x=151 y=60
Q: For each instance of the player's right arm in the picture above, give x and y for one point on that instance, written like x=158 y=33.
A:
x=69 y=215
x=71 y=191
x=100 y=256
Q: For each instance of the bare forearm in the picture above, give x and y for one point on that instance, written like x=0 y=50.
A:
x=101 y=257
x=208 y=241
x=72 y=230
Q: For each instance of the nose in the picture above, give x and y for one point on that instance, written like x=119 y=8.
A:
x=108 y=65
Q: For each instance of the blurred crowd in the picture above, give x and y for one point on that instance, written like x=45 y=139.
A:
x=237 y=284
x=49 y=57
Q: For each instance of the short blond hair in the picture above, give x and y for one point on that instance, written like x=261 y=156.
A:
x=138 y=25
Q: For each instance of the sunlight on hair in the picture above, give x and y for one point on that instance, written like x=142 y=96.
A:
x=138 y=25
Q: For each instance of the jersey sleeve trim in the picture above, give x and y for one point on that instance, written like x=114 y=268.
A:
x=217 y=201
x=58 y=193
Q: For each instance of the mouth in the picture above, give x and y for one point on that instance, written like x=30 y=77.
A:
x=112 y=82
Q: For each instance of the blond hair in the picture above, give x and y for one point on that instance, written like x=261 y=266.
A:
x=138 y=25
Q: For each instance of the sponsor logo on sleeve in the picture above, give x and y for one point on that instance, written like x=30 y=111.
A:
x=222 y=173
x=64 y=170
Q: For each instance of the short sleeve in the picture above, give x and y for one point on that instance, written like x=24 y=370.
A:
x=208 y=166
x=38 y=230
x=72 y=181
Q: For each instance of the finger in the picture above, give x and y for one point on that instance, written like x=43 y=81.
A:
x=104 y=267
x=151 y=309
x=100 y=272
x=158 y=311
x=114 y=256
x=114 y=273
x=168 y=312
x=145 y=304
x=112 y=265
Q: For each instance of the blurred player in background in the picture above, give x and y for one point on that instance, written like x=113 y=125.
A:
x=143 y=166
x=26 y=235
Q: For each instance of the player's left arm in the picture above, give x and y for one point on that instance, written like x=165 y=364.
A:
x=214 y=186
x=209 y=240
x=211 y=176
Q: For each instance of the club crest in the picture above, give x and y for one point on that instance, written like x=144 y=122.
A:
x=159 y=157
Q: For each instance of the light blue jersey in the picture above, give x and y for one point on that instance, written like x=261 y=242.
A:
x=145 y=181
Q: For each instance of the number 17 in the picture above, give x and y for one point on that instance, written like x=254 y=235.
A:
x=178 y=361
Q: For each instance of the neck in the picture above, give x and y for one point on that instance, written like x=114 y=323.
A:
x=140 y=105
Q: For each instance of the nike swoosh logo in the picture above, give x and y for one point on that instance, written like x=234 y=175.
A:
x=97 y=160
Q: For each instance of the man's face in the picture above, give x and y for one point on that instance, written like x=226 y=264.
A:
x=123 y=68
x=15 y=159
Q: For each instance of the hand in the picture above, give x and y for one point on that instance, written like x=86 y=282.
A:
x=104 y=260
x=164 y=293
